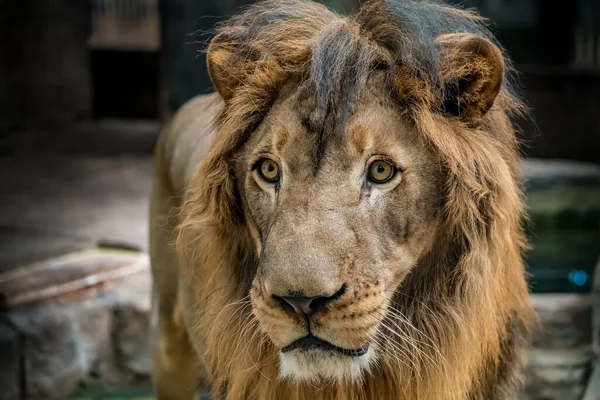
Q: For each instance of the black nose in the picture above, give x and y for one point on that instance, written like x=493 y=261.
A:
x=306 y=306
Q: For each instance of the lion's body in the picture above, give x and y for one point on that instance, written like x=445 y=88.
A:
x=461 y=297
x=182 y=145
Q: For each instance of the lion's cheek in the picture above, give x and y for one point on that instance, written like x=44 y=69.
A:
x=400 y=262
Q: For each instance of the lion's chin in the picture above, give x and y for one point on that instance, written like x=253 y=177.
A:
x=320 y=365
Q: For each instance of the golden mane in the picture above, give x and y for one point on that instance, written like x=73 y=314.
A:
x=467 y=297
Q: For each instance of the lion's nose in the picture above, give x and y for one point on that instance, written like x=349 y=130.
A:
x=307 y=306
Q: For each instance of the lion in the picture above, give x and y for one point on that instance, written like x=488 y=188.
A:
x=342 y=218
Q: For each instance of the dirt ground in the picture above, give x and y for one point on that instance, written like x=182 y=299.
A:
x=67 y=189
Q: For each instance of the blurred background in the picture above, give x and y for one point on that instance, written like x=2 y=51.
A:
x=84 y=88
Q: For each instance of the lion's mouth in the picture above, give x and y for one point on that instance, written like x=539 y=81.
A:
x=313 y=342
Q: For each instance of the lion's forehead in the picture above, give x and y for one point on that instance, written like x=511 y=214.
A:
x=372 y=127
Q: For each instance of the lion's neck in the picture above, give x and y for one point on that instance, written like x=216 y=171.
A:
x=247 y=367
x=257 y=378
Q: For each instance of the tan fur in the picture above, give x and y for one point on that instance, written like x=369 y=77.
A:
x=432 y=261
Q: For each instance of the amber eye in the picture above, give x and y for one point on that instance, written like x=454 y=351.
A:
x=268 y=170
x=381 y=171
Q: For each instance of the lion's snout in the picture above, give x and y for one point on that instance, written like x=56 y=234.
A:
x=347 y=317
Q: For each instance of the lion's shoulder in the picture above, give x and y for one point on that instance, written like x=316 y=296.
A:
x=186 y=138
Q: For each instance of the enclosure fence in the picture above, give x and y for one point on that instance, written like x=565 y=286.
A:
x=130 y=25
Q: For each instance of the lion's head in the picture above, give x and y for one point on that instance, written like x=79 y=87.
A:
x=359 y=211
x=339 y=221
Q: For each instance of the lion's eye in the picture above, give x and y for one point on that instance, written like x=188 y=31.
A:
x=269 y=170
x=381 y=171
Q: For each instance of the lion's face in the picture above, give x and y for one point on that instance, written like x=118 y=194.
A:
x=338 y=226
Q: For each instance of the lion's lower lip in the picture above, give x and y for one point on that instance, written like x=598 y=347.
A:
x=311 y=342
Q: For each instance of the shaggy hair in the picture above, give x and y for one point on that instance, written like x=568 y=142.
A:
x=467 y=297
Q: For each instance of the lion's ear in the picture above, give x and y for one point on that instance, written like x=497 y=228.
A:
x=472 y=71
x=226 y=67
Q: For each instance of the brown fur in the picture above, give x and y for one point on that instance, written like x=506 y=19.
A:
x=447 y=309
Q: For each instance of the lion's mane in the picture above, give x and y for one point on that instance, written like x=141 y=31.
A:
x=466 y=298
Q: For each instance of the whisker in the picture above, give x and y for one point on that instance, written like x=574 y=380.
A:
x=245 y=321
x=418 y=351
x=384 y=342
x=426 y=339
x=395 y=328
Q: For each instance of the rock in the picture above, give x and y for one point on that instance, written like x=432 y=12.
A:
x=86 y=331
x=55 y=355
x=131 y=326
x=562 y=357
x=592 y=391
x=565 y=320
x=131 y=334
x=559 y=371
